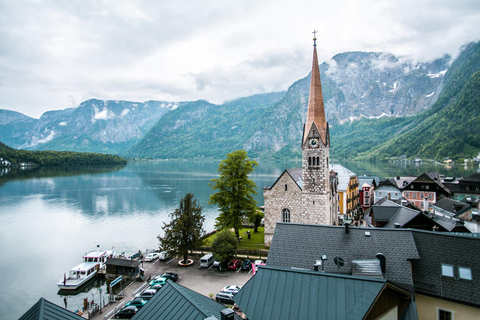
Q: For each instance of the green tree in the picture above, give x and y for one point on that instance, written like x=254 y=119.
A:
x=256 y=219
x=224 y=246
x=185 y=230
x=235 y=191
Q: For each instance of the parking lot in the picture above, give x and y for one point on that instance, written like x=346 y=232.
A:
x=202 y=280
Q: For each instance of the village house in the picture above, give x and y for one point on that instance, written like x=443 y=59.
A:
x=366 y=191
x=425 y=190
x=433 y=273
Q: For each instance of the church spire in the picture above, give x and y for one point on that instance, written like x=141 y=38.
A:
x=316 y=112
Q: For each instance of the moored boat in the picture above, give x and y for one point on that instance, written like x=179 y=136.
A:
x=79 y=275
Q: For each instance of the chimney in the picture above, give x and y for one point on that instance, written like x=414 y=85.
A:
x=397 y=225
x=227 y=314
x=347 y=227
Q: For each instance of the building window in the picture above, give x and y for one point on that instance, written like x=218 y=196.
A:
x=318 y=161
x=447 y=270
x=367 y=201
x=366 y=194
x=465 y=273
x=430 y=196
x=286 y=215
x=379 y=193
x=286 y=187
x=414 y=195
x=407 y=194
x=396 y=194
x=309 y=161
x=445 y=315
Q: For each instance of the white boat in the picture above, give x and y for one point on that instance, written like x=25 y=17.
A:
x=93 y=262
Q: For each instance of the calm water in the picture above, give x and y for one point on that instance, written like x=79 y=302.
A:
x=50 y=218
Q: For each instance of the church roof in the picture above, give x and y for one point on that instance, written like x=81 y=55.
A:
x=316 y=110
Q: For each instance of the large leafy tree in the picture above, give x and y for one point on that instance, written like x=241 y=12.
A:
x=185 y=230
x=235 y=191
x=224 y=246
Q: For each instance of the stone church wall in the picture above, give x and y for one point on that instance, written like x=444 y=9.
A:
x=276 y=199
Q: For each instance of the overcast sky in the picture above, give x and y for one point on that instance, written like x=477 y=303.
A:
x=55 y=54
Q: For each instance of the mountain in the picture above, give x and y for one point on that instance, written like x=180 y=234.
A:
x=95 y=126
x=377 y=105
x=203 y=130
x=355 y=85
x=451 y=128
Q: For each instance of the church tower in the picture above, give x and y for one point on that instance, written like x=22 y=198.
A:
x=316 y=192
x=303 y=194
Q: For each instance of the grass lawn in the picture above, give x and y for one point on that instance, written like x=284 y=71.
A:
x=254 y=243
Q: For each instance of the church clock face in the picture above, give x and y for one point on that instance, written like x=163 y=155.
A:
x=313 y=143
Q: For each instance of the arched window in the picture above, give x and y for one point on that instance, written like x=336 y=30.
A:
x=318 y=161
x=309 y=161
x=286 y=215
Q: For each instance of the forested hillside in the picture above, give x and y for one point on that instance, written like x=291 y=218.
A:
x=57 y=158
x=451 y=128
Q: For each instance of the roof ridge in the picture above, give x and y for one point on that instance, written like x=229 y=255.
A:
x=180 y=289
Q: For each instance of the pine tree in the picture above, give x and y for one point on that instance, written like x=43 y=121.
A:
x=235 y=191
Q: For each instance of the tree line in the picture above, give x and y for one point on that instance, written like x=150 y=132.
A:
x=57 y=158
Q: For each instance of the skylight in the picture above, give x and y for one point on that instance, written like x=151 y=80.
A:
x=447 y=270
x=465 y=273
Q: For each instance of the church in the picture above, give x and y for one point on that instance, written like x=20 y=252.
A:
x=306 y=194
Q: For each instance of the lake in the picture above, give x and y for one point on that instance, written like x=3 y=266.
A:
x=51 y=217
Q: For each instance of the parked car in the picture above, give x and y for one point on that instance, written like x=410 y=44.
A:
x=147 y=294
x=126 y=312
x=225 y=297
x=136 y=303
x=247 y=264
x=235 y=264
x=155 y=287
x=151 y=256
x=233 y=289
x=160 y=280
x=170 y=275
x=216 y=264
x=164 y=255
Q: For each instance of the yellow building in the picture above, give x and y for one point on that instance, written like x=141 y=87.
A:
x=348 y=193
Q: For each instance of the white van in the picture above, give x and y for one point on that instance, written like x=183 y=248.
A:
x=206 y=261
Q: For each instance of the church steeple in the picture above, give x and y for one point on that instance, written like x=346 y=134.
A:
x=316 y=112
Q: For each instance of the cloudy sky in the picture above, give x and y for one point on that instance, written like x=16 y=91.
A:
x=54 y=54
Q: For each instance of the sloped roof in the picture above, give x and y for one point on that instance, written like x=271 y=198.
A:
x=343 y=175
x=447 y=223
x=300 y=245
x=46 y=310
x=457 y=250
x=122 y=262
x=473 y=178
x=384 y=213
x=293 y=294
x=452 y=206
x=403 y=216
x=370 y=180
x=174 y=301
x=429 y=177
x=296 y=174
